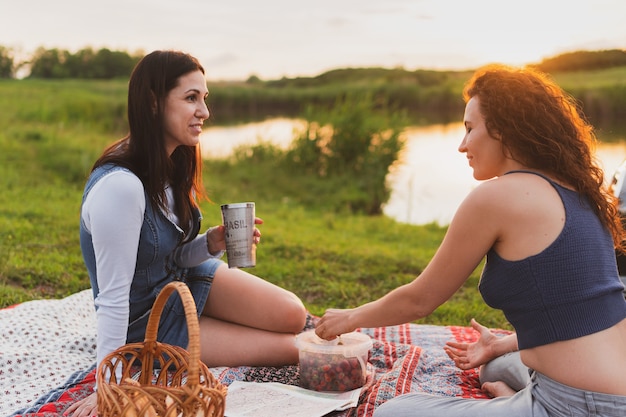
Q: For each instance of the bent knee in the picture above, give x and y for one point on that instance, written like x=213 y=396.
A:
x=295 y=315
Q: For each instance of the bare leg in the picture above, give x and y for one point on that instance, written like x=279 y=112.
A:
x=249 y=321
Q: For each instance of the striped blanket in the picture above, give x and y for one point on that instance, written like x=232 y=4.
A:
x=47 y=360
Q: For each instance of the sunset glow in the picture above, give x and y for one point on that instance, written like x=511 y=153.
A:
x=278 y=38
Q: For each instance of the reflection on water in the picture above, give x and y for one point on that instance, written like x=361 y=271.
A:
x=220 y=141
x=428 y=183
x=432 y=176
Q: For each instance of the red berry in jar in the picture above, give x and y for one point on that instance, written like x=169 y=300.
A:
x=339 y=365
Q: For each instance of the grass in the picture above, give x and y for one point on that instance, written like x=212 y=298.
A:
x=50 y=134
x=609 y=77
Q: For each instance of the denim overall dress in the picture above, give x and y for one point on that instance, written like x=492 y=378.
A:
x=155 y=268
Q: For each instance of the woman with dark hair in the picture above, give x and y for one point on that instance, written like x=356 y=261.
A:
x=139 y=230
x=548 y=226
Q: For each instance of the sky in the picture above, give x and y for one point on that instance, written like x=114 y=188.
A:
x=271 y=39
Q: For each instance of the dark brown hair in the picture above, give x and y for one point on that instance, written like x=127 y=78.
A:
x=143 y=149
x=544 y=128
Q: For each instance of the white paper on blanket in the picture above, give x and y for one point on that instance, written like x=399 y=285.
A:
x=269 y=399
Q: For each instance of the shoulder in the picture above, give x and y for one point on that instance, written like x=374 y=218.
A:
x=116 y=191
x=513 y=194
x=516 y=185
x=119 y=182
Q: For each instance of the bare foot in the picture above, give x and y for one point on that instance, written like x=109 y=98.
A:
x=498 y=389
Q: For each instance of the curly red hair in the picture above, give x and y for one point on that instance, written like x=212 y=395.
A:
x=544 y=128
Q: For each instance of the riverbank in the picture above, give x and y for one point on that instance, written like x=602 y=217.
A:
x=52 y=131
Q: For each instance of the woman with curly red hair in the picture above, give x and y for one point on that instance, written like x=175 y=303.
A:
x=548 y=226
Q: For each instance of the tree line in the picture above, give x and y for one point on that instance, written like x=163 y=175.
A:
x=87 y=63
x=104 y=63
x=428 y=96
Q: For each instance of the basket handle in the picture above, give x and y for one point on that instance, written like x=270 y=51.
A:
x=193 y=328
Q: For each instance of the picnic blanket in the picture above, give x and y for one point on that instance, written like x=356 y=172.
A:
x=48 y=351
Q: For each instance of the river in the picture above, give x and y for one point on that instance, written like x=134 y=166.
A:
x=428 y=182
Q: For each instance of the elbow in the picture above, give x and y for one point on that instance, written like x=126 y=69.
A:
x=421 y=311
x=416 y=300
x=420 y=308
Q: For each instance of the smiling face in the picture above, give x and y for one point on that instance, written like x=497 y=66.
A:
x=184 y=111
x=484 y=152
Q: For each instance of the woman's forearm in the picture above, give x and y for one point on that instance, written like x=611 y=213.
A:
x=504 y=345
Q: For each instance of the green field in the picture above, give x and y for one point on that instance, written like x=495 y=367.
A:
x=52 y=131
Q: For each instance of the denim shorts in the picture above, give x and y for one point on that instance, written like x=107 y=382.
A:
x=173 y=323
x=543 y=397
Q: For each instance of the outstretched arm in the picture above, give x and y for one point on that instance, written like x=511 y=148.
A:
x=470 y=235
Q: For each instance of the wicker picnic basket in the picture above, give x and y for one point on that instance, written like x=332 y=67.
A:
x=168 y=381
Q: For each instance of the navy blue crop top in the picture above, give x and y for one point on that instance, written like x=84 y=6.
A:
x=570 y=289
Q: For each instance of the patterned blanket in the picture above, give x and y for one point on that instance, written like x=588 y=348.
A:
x=47 y=360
